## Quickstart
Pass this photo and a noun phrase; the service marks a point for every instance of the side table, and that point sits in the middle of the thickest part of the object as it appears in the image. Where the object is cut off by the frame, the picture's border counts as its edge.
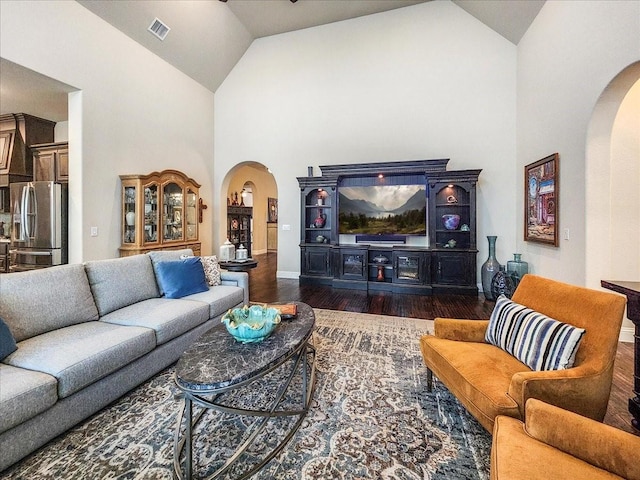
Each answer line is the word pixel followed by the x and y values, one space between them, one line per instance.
pixel 632 291
pixel 239 265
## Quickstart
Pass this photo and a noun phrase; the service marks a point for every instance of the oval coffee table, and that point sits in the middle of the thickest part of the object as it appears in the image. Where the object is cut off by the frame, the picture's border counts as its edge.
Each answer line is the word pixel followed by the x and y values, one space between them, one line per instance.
pixel 215 369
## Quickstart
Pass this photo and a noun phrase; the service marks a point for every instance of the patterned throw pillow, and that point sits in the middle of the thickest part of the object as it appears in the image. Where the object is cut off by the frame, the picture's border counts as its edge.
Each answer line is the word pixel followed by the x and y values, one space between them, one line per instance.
pixel 211 270
pixel 538 341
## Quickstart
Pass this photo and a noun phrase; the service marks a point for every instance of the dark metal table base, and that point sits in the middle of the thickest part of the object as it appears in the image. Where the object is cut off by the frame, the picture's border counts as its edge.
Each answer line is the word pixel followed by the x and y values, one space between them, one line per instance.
pixel 302 362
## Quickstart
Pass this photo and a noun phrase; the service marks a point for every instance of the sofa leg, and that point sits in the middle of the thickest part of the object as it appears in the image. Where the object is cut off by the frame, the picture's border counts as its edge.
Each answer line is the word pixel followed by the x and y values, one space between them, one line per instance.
pixel 429 380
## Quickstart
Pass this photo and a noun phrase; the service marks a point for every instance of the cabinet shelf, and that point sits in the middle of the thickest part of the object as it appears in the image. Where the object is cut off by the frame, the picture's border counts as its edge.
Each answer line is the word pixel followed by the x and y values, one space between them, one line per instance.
pixel 239 226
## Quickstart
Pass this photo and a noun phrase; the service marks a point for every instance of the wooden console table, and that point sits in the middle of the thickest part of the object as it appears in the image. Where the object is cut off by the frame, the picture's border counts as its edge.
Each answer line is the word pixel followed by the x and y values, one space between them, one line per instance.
pixel 632 291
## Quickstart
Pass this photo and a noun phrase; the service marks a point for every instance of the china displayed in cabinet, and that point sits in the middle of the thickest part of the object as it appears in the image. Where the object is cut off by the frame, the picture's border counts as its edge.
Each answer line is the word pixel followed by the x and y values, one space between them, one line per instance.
pixel 239 227
pixel 159 212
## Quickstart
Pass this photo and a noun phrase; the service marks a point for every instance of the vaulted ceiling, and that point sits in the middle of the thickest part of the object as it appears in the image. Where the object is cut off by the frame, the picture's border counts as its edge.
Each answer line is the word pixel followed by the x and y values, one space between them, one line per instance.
pixel 208 37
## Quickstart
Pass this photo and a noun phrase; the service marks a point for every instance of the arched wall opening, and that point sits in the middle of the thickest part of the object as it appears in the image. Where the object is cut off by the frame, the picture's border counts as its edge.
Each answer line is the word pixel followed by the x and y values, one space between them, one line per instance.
pixel 263 186
pixel 612 188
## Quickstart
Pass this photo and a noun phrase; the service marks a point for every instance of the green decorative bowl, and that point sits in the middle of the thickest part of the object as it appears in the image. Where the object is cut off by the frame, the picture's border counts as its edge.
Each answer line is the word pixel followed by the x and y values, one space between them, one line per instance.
pixel 251 324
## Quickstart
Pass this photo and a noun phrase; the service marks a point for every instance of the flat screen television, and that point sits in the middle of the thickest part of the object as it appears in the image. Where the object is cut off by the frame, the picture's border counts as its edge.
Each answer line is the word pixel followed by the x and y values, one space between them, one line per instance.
pixel 383 210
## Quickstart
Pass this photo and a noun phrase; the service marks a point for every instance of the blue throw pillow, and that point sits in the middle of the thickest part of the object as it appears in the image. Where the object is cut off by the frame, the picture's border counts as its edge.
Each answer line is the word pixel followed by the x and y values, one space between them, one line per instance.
pixel 179 278
pixel 7 342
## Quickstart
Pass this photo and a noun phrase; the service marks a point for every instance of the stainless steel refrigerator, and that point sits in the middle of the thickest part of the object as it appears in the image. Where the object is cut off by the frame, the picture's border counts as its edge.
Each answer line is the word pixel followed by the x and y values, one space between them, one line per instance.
pixel 39 233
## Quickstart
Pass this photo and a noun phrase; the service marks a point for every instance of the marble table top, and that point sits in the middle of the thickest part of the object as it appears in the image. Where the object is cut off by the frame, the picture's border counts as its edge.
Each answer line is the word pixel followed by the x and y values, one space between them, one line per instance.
pixel 216 361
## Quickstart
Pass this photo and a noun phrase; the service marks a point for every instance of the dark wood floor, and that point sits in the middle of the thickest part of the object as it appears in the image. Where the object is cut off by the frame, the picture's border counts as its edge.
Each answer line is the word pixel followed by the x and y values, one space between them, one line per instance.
pixel 265 287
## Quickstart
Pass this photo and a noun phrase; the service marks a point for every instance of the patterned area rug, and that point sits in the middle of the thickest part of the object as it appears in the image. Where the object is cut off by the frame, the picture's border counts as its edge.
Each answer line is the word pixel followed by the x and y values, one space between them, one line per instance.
pixel 371 418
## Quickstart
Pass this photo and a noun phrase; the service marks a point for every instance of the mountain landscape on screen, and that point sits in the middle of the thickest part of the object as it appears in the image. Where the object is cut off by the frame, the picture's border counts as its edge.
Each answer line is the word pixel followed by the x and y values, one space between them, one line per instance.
pixel 383 210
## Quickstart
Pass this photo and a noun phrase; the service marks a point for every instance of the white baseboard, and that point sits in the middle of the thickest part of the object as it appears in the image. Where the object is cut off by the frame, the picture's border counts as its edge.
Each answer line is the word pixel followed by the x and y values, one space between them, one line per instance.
pixel 285 274
pixel 626 334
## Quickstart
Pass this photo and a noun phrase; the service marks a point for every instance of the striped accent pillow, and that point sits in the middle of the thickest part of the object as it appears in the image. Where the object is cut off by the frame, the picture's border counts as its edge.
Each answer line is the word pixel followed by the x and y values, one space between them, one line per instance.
pixel 538 341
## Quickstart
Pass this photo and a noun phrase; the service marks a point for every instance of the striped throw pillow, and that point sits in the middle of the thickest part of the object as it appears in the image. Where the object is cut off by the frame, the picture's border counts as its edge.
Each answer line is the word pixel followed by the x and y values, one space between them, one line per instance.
pixel 538 341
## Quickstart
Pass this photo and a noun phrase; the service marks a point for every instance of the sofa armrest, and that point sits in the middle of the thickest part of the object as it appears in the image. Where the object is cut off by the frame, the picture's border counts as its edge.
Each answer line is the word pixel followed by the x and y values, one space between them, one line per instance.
pixel 600 445
pixel 236 279
pixel 461 330
pixel 580 389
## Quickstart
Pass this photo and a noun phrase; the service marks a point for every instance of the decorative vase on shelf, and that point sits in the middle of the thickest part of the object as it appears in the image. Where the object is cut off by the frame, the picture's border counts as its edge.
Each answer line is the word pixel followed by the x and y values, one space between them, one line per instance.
pixel 517 266
pixel 451 221
pixel 130 218
pixel 320 220
pixel 490 268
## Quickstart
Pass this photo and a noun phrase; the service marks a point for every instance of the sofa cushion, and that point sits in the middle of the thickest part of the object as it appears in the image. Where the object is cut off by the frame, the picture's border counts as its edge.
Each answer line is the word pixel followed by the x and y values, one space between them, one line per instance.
pixel 211 270
pixel 484 395
pixel 82 354
pixel 168 318
pixel 119 282
pixel 168 255
pixel 24 394
pixel 7 342
pixel 38 301
pixel 219 298
pixel 178 278
pixel 540 342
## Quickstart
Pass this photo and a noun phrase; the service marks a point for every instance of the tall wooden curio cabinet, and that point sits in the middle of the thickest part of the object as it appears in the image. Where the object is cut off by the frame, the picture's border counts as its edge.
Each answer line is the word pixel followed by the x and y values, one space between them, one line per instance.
pixel 452 231
pixel 318 229
pixel 159 212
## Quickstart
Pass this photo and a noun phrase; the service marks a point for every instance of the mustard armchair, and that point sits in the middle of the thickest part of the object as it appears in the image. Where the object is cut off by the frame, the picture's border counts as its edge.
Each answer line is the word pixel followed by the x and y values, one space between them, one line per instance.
pixel 554 443
pixel 489 382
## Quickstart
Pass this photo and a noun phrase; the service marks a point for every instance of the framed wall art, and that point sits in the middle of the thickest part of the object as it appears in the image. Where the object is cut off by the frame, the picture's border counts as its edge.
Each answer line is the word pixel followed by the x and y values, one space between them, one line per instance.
pixel 541 196
pixel 272 206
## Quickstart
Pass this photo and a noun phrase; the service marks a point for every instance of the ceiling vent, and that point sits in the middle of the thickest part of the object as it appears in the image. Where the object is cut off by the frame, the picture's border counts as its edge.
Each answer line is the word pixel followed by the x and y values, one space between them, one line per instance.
pixel 159 29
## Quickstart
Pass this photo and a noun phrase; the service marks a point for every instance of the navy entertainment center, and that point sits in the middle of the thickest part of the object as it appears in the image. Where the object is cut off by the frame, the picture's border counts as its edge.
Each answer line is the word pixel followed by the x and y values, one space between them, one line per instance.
pixel 367 246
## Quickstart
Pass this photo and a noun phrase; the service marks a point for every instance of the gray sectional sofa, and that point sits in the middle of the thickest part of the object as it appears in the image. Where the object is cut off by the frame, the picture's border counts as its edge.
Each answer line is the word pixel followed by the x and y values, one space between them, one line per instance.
pixel 88 333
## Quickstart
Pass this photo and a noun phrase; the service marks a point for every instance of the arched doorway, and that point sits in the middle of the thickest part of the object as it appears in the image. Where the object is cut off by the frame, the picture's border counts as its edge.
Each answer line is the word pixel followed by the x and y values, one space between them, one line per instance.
pixel 613 185
pixel 259 186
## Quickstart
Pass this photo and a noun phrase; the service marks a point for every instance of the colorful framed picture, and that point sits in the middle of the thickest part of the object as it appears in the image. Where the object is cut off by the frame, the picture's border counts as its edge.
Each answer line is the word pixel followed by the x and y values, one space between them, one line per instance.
pixel 541 196
pixel 272 206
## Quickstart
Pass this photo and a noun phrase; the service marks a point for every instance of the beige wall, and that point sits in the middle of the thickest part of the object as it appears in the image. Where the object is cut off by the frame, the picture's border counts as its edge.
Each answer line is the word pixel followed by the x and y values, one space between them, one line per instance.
pixel 566 60
pixel 570 89
pixel 426 81
pixel 132 113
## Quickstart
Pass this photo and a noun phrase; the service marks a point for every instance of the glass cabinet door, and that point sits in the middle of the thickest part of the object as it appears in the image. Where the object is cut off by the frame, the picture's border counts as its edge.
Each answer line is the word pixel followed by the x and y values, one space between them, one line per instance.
pixel 191 220
pixel 151 213
pixel 173 213
pixel 408 267
pixel 129 215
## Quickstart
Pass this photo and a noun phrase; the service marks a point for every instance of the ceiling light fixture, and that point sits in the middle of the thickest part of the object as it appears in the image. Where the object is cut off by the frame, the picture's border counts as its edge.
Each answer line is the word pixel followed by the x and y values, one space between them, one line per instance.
pixel 159 29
